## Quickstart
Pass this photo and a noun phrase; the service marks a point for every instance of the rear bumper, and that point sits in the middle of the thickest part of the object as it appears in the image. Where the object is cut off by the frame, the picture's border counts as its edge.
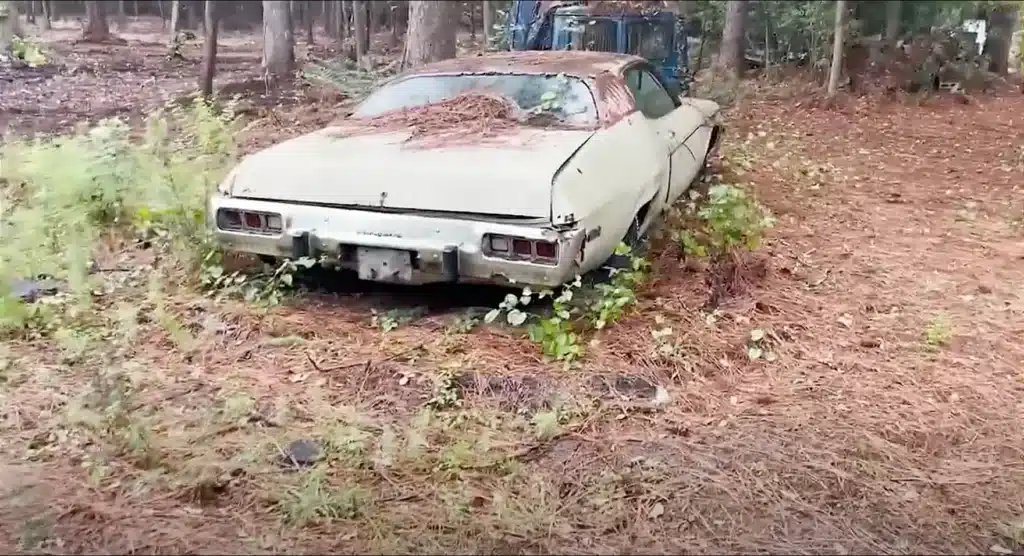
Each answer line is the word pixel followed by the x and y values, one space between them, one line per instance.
pixel 443 249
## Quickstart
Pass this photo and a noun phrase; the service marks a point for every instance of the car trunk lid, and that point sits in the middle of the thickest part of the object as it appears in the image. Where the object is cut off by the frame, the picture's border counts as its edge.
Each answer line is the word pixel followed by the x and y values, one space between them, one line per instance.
pixel 509 175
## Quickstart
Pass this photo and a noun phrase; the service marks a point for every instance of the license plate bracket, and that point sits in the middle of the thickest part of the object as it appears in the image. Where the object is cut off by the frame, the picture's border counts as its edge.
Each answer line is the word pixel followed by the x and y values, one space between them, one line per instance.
pixel 384 265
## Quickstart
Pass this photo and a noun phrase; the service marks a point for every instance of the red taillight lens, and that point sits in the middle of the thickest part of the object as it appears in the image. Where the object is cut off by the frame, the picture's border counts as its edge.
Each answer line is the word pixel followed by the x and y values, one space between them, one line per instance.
pixel 546 249
pixel 522 247
pixel 253 220
pixel 228 219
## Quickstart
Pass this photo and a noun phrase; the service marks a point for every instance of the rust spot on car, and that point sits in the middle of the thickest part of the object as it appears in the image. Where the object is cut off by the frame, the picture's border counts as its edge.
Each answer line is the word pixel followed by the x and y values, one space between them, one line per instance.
pixel 614 100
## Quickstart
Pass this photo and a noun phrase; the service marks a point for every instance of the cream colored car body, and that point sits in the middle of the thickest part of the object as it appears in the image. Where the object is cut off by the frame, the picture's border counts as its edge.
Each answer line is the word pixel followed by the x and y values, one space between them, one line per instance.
pixel 368 199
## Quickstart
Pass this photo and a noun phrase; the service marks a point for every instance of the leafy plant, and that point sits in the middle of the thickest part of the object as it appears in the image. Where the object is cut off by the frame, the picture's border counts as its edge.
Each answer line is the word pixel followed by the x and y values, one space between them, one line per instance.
pixel 728 220
pixel 757 346
pixel 267 289
pixel 561 333
pixel 28 51
pixel 938 333
pixel 620 292
pixel 446 390
pixel 555 334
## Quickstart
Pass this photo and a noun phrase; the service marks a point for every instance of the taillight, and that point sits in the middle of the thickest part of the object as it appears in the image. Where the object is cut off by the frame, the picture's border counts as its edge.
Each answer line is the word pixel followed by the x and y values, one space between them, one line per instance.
pixel 546 249
pixel 522 247
pixel 253 220
pixel 248 221
pixel 518 249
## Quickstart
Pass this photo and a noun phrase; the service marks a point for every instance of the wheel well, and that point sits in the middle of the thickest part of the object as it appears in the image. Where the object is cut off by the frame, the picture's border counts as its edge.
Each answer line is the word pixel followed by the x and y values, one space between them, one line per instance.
pixel 641 215
pixel 716 133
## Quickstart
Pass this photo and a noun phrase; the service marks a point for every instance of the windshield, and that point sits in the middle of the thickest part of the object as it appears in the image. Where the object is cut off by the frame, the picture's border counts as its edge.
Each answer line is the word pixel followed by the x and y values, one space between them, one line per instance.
pixel 649 39
pixel 566 98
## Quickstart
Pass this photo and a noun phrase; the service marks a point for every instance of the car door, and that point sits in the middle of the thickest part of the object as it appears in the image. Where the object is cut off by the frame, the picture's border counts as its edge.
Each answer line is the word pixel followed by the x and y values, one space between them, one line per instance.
pixel 672 124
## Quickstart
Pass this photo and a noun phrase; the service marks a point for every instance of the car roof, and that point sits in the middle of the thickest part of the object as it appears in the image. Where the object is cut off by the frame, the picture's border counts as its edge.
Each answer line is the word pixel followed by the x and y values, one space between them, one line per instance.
pixel 581 64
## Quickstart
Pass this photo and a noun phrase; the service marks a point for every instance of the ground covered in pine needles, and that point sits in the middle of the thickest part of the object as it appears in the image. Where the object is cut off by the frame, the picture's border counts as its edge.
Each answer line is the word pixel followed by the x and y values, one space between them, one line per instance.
pixel 887 419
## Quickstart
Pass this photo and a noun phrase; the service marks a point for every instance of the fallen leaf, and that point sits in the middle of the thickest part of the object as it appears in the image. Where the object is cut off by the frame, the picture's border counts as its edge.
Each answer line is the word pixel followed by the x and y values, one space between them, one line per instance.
pixel 657 511
pixel 661 396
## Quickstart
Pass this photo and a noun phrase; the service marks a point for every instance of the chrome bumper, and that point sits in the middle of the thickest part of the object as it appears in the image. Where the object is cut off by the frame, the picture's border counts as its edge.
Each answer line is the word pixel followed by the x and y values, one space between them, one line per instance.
pixel 443 249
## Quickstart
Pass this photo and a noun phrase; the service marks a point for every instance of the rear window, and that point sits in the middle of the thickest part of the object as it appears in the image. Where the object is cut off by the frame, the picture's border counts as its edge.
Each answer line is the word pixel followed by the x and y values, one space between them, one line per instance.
pixel 566 98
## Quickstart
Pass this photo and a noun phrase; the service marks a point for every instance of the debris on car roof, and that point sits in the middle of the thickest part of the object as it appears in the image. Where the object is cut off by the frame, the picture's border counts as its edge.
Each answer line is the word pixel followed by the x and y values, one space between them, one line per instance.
pixel 473 114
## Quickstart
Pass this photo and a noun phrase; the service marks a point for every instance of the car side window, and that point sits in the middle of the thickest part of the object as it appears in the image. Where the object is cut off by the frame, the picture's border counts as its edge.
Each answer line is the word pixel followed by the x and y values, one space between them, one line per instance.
pixel 652 99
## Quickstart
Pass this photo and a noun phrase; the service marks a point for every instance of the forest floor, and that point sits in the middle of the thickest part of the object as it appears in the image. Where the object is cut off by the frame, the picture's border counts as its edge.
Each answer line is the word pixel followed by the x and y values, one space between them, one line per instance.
pixel 889 420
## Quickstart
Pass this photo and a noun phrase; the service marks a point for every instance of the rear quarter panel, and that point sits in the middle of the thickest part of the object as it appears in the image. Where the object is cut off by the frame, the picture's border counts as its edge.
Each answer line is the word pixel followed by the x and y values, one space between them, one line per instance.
pixel 616 172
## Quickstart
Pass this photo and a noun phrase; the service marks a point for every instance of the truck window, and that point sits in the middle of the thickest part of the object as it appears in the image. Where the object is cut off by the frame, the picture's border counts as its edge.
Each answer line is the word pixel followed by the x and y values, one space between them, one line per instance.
pixel 574 32
pixel 649 39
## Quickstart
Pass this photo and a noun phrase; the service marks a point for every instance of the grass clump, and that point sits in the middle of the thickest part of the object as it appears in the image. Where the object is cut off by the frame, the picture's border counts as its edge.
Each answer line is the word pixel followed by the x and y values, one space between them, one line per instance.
pixel 60 197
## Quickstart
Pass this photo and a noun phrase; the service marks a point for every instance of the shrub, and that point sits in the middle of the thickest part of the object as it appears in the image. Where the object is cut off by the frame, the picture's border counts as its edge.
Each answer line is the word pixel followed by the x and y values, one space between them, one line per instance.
pixel 60 196
pixel 728 220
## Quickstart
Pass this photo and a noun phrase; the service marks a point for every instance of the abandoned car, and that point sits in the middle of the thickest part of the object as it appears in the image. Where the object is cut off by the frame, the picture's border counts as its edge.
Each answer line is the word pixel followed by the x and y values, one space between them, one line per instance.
pixel 523 167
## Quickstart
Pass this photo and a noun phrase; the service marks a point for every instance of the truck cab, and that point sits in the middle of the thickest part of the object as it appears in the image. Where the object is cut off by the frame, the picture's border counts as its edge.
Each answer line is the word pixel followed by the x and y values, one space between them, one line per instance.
pixel 650 34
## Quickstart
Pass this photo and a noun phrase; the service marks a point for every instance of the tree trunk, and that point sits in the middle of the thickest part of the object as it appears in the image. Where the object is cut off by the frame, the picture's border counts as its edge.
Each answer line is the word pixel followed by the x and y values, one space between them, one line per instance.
pixel 373 16
pixel 472 20
pixel 278 42
pixel 96 29
pixel 46 15
pixel 122 16
pixel 30 15
pixel 175 18
pixel 344 7
pixel 342 20
pixel 431 35
pixel 359 28
pixel 731 57
pixel 209 49
pixel 8 24
pixel 368 15
pixel 893 15
pixel 330 25
pixel 188 15
pixel 488 22
pixel 1001 21
pixel 307 11
pixel 837 50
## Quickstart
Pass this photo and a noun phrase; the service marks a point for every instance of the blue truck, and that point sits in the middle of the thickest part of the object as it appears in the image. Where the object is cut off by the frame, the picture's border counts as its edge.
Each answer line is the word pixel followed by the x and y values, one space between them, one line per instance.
pixel 603 26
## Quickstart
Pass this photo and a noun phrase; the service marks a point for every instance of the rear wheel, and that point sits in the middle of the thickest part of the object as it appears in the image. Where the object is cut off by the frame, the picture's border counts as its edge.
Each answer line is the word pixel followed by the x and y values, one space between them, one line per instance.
pixel 637 244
